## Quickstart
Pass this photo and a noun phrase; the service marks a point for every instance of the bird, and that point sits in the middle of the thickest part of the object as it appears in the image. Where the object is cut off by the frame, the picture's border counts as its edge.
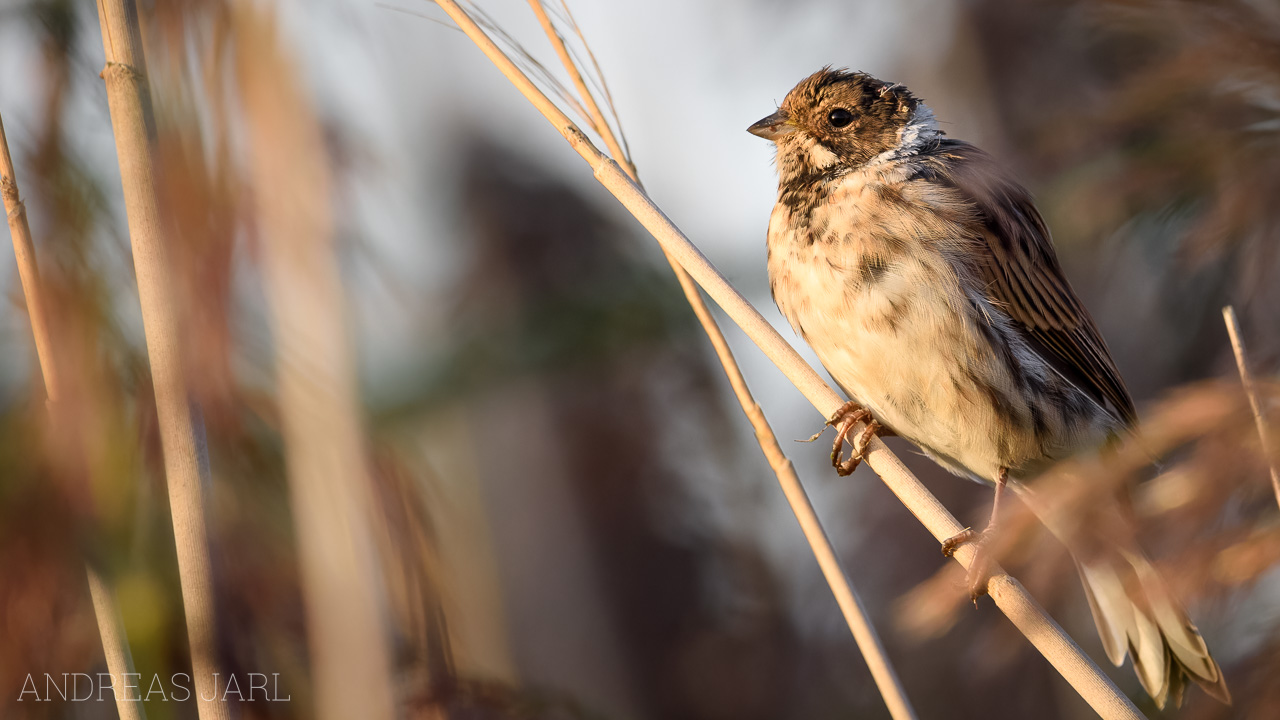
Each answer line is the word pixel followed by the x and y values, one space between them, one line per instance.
pixel 926 282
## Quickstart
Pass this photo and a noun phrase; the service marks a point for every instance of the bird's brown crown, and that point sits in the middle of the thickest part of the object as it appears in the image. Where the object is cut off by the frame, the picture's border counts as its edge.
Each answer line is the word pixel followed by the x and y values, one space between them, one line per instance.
pixel 852 114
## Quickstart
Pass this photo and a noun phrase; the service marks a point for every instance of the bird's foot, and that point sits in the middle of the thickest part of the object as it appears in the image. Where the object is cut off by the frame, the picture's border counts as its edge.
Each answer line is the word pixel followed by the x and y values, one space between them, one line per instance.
pixel 979 572
pixel 843 420
pixel 979 575
pixel 953 543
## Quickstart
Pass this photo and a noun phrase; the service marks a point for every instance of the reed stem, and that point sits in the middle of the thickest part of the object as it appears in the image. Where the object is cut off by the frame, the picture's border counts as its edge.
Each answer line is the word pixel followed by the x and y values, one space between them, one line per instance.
pixel 115 643
pixel 182 439
pixel 1246 379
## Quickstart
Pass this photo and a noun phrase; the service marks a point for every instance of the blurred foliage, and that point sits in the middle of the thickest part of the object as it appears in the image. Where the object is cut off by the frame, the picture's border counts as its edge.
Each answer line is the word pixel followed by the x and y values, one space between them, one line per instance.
pixel 1155 122
pixel 1149 129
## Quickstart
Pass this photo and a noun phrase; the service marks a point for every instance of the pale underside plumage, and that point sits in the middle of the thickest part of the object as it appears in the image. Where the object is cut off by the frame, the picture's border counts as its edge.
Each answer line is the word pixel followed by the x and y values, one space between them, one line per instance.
pixel 926 283
pixel 884 294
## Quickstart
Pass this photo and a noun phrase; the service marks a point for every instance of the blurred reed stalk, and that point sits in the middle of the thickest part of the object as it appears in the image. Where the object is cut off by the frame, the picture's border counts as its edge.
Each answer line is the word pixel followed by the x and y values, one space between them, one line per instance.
pixel 115 643
pixel 182 438
pixel 329 481
pixel 855 614
pixel 1009 595
pixel 24 251
pixel 1255 403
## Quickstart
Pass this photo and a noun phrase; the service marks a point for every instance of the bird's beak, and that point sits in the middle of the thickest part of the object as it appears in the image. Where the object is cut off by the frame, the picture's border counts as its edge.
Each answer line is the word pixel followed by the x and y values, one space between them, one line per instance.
pixel 773 127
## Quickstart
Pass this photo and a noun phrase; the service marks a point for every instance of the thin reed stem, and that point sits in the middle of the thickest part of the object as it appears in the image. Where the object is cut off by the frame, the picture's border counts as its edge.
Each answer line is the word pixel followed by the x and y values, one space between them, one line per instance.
pixel 182 441
pixel 837 576
pixel 24 251
pixel 115 643
pixel 1246 379
pixel 1009 595
pixel 598 121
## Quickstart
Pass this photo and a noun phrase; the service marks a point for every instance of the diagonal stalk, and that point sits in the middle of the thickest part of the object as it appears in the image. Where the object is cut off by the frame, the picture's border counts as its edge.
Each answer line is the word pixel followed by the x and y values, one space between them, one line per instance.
pixel 115 644
pixel 24 252
pixel 1255 403
pixel 837 576
pixel 1009 595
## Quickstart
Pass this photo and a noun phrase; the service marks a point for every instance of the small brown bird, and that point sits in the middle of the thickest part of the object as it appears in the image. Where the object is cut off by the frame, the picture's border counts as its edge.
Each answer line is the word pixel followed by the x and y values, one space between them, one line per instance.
pixel 925 280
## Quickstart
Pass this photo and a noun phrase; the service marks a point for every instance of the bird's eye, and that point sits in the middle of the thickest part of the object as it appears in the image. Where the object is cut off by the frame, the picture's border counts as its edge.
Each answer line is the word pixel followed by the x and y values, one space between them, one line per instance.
pixel 840 117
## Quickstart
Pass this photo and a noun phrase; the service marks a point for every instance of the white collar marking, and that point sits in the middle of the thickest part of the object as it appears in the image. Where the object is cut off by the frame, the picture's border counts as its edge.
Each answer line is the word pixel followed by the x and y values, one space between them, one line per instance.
pixel 919 130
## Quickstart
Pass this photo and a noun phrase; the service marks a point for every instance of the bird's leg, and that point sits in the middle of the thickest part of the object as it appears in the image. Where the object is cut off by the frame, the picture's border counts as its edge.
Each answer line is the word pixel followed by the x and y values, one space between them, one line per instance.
pixel 978 569
pixel 844 419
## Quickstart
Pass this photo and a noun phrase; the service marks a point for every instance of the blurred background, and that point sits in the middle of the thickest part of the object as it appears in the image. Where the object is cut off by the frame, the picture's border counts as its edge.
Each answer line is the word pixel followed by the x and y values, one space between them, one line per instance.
pixel 572 516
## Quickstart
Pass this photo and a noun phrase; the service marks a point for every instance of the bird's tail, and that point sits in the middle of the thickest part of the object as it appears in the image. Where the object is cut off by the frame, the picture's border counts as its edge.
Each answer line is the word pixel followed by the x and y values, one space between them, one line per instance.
pixel 1136 615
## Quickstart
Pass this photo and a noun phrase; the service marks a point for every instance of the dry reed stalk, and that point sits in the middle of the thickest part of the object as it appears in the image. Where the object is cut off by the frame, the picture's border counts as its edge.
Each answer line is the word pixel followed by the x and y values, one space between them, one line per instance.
pixel 329 482
pixel 1009 595
pixel 186 462
pixel 1246 379
pixel 598 121
pixel 833 570
pixel 115 644
pixel 24 251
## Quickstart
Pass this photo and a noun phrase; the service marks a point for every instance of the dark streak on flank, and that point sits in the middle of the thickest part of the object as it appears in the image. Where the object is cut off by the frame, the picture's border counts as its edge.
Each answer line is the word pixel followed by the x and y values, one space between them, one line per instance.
pixel 1038 422
pixel 915 407
pixel 890 194
pixel 961 389
pixel 816 230
pixel 998 398
pixel 874 268
pixel 888 238
pixel 893 318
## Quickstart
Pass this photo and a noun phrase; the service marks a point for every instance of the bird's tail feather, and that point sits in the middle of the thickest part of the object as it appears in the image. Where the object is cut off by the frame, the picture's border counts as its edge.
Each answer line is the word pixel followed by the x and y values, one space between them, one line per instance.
pixel 1136 615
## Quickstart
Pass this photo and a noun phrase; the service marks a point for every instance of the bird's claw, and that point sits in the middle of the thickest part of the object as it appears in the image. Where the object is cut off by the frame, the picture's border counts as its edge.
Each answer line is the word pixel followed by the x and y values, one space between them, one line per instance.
pixel 953 543
pixel 979 573
pixel 844 420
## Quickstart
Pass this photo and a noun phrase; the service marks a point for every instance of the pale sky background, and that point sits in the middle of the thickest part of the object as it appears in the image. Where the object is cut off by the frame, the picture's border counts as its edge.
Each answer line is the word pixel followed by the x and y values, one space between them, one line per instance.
pixel 688 77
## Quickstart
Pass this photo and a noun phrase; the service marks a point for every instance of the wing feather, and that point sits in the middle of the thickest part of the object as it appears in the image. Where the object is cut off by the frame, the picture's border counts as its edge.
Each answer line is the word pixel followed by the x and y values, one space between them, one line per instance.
pixel 1019 269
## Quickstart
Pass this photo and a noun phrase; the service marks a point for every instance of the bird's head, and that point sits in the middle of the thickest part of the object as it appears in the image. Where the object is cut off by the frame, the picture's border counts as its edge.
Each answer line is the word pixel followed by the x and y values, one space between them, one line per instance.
pixel 841 118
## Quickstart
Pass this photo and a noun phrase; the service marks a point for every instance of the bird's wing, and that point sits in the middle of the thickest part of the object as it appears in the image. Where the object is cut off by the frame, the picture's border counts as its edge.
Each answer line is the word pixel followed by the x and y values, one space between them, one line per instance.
pixel 1019 268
